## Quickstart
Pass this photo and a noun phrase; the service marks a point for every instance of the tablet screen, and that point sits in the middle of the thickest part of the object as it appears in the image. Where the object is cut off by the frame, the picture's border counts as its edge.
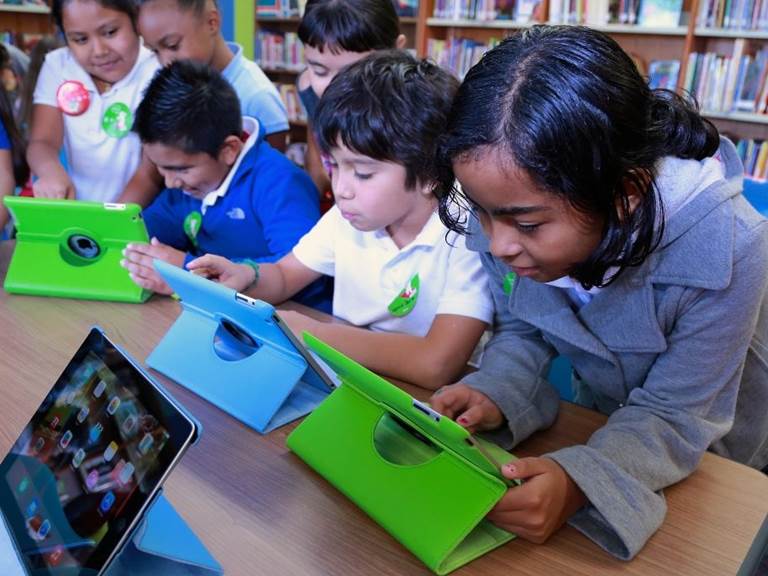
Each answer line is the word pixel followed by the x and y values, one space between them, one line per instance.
pixel 94 453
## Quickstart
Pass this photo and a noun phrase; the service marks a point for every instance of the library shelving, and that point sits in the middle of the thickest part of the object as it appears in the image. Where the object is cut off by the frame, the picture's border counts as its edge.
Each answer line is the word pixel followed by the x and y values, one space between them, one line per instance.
pixel 21 21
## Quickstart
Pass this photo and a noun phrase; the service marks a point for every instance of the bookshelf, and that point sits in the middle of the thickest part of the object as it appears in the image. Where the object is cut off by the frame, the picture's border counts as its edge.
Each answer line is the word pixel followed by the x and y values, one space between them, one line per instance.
pixel 279 53
pixel 20 19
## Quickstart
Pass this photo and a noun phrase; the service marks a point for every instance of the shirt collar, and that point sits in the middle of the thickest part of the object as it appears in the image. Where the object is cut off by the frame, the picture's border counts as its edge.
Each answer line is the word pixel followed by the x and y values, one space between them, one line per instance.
pixel 234 64
pixel 251 127
pixel 431 233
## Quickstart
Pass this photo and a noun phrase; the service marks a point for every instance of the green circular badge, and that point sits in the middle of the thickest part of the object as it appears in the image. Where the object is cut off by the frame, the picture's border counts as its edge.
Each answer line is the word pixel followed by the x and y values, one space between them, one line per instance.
pixel 117 120
pixel 406 300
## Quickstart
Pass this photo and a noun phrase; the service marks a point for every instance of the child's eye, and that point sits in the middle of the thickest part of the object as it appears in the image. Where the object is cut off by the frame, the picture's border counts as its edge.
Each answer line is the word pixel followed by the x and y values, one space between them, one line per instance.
pixel 360 176
pixel 79 40
pixel 528 228
pixel 110 32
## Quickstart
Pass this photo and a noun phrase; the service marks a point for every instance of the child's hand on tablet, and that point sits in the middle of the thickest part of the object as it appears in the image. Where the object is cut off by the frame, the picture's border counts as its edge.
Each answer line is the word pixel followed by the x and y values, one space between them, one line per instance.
pixel 138 262
pixel 470 408
pixel 541 504
pixel 218 268
pixel 59 186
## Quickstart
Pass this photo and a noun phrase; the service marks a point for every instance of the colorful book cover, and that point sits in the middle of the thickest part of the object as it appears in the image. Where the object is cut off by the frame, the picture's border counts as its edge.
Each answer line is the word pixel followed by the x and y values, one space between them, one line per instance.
pixel 663 74
pixel 660 12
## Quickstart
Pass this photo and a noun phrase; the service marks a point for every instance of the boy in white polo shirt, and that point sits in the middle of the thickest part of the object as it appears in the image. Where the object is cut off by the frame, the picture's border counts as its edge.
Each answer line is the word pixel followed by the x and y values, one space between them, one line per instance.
pixel 398 271
pixel 85 98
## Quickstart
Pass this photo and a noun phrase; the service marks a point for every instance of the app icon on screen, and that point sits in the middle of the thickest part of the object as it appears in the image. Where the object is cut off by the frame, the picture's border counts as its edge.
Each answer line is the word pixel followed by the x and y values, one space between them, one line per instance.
pixel 110 452
pixel 92 479
pixel 99 390
pixel 66 439
pixel 32 507
pixel 113 404
pixel 78 458
pixel 83 414
pixel 146 443
pixel 95 432
pixel 107 502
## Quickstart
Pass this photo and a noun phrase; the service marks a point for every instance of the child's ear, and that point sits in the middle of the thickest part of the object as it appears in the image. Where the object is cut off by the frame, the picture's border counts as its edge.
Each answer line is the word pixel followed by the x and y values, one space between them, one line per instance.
pixel 400 42
pixel 230 150
pixel 212 18
pixel 636 186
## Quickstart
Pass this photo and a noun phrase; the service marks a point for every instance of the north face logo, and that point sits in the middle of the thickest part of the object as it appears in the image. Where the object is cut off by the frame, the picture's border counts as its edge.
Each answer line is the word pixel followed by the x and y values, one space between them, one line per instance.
pixel 236 214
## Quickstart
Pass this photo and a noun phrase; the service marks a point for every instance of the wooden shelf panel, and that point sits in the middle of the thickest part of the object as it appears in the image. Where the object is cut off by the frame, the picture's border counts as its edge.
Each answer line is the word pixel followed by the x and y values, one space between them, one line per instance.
pixel 726 33
pixel 495 24
pixel 25 8
pixel 737 116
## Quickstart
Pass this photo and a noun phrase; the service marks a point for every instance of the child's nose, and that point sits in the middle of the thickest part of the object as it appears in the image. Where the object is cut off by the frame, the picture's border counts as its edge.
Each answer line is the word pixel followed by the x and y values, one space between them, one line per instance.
pixel 100 46
pixel 504 241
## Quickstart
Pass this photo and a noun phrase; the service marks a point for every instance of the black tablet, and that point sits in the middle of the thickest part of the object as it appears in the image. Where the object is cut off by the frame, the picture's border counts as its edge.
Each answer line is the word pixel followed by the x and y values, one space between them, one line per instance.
pixel 86 467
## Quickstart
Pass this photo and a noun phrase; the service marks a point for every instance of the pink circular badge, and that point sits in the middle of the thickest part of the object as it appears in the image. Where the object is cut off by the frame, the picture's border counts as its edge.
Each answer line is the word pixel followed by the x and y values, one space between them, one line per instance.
pixel 73 98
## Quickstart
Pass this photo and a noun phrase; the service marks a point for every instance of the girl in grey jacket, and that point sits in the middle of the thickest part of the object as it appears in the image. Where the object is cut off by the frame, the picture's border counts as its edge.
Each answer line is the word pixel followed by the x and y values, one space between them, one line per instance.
pixel 614 232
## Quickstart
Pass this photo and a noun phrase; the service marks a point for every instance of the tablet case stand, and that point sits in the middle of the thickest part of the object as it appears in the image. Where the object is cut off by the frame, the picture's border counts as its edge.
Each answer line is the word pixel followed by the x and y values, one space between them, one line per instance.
pixel 423 493
pixel 228 349
pixel 78 260
pixel 163 544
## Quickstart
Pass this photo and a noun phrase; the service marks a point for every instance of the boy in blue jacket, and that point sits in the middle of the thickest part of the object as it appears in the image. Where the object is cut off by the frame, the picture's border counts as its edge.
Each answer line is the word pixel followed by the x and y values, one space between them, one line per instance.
pixel 228 192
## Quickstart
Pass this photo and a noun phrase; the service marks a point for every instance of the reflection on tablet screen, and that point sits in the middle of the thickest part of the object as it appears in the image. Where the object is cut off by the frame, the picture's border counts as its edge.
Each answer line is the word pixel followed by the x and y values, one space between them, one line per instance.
pixel 83 467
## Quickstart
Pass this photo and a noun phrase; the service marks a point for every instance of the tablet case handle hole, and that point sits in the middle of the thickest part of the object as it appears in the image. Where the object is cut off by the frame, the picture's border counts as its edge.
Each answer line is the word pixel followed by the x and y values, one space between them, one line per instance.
pixel 80 250
pixel 232 343
pixel 401 444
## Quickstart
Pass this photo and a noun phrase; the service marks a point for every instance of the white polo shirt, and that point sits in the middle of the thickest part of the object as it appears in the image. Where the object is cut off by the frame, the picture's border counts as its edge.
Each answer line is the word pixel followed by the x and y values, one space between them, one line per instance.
pixel 99 165
pixel 371 271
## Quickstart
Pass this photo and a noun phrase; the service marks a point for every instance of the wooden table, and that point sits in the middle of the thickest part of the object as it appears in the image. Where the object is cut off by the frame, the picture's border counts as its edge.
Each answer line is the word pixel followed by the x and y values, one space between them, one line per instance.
pixel 261 510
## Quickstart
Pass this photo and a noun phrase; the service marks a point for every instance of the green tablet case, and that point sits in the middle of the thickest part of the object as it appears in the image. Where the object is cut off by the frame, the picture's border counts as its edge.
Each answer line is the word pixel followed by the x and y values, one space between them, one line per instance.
pixel 73 249
pixel 420 475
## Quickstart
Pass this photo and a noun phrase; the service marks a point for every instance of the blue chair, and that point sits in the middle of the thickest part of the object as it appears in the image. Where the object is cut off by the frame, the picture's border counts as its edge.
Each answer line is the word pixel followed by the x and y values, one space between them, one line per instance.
pixel 756 192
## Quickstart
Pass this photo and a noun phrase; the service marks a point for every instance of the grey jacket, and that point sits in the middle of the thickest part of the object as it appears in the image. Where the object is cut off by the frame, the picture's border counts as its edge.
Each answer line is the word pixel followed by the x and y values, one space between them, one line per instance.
pixel 675 351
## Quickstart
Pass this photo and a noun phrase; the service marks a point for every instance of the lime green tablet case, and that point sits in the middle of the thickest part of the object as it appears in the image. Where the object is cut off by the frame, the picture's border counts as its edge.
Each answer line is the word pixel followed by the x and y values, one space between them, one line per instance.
pixel 413 471
pixel 73 249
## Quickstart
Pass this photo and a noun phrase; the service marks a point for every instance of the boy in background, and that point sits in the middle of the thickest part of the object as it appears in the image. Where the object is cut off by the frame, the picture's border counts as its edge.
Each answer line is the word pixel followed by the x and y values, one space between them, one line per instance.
pixel 226 193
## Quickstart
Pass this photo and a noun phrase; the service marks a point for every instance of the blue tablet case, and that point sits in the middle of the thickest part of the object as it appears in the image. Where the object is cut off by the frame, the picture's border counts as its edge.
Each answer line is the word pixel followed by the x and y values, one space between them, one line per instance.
pixel 163 544
pixel 228 349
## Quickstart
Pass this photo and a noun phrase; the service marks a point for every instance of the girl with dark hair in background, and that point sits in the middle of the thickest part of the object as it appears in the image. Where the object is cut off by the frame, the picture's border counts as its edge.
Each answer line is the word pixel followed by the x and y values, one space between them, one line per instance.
pixel 612 226
pixel 13 167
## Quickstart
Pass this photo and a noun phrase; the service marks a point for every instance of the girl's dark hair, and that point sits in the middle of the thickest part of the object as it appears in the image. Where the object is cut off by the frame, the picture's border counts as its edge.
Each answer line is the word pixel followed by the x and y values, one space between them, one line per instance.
pixel 36 59
pixel 350 25
pixel 388 106
pixel 20 167
pixel 568 106
pixel 189 106
pixel 129 7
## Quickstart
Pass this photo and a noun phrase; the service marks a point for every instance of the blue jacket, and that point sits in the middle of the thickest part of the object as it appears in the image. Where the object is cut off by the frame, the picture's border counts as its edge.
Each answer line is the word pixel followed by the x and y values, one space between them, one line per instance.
pixel 674 350
pixel 269 206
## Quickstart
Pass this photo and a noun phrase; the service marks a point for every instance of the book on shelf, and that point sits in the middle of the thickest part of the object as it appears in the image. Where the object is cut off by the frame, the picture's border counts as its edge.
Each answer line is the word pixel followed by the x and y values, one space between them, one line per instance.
pixel 406 8
pixel 729 83
pixel 734 14
pixel 663 74
pixel 754 156
pixel 660 13
pixel 279 8
pixel 458 55
pixel 279 50
pixel 520 11
pixel 289 93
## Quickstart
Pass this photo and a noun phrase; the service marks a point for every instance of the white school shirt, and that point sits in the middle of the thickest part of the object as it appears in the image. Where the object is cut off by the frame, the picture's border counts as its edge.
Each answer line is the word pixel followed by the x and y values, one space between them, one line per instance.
pixel 99 165
pixel 370 271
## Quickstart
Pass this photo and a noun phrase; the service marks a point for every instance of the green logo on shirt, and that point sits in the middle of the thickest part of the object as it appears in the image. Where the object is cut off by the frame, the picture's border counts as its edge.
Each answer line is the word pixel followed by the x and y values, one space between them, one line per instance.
pixel 192 224
pixel 406 300
pixel 509 282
